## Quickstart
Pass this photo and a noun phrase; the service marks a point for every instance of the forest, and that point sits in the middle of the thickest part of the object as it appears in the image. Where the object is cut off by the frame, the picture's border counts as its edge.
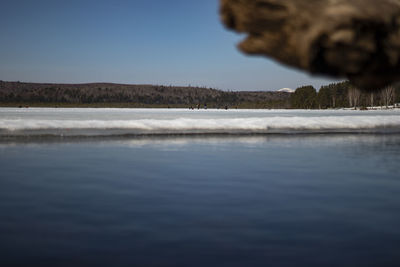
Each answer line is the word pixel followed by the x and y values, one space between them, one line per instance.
pixel 121 95
pixel 343 95
pixel 332 96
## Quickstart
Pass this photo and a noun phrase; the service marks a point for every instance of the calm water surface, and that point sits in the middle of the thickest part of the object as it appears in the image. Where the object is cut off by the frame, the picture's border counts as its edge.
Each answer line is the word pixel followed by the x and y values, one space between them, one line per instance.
pixel 284 200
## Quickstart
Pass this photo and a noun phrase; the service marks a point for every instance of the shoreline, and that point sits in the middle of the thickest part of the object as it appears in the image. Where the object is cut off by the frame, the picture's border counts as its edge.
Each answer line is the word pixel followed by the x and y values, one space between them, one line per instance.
pixel 174 106
pixel 128 105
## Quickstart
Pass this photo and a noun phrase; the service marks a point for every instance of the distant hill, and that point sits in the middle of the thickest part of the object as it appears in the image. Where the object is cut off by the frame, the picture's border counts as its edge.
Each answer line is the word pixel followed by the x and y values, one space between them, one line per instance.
pixel 110 94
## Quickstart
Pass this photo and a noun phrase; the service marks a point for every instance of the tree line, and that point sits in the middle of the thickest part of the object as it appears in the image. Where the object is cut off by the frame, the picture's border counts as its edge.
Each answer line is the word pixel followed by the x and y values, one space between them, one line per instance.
pixel 335 95
pixel 343 95
pixel 105 94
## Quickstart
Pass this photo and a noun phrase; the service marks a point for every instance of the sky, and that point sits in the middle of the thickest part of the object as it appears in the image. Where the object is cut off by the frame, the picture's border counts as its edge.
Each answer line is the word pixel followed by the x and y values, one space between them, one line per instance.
pixel 168 42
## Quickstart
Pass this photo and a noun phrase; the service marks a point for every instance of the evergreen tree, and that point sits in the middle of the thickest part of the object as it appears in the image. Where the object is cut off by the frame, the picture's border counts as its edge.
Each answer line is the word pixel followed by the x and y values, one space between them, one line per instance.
pixel 304 98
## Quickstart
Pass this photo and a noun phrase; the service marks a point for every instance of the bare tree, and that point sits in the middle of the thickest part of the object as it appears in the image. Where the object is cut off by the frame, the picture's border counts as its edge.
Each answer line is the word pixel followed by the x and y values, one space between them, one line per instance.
pixel 371 99
pixel 334 91
pixel 354 95
pixel 387 95
pixel 350 97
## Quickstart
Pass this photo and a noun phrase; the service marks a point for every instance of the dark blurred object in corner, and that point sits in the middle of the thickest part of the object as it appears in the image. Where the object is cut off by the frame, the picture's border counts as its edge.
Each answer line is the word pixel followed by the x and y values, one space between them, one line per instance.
pixel 358 39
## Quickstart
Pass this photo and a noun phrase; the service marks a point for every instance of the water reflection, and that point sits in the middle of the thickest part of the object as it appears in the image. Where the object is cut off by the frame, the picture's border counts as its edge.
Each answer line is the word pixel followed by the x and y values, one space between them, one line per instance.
pixel 388 142
pixel 279 200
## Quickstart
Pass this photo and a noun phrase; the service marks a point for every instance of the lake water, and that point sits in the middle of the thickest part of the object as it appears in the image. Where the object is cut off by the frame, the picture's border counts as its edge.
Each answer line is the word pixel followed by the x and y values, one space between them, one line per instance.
pixel 87 187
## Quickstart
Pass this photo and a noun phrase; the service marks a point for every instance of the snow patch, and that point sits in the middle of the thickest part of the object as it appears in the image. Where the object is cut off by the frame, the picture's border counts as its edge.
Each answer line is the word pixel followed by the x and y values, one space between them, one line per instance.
pixel 286 90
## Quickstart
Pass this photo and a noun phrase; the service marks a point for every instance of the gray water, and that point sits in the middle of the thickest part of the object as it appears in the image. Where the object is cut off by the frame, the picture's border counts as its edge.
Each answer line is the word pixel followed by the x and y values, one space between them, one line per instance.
pixel 269 200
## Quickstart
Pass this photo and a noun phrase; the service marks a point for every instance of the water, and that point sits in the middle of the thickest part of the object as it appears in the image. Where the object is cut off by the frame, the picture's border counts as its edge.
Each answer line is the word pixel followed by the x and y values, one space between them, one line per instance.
pixel 329 199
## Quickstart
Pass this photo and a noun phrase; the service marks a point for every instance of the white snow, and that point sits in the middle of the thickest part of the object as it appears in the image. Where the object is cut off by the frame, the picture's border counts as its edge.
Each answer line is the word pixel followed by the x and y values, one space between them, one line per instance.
pixel 287 90
pixel 152 121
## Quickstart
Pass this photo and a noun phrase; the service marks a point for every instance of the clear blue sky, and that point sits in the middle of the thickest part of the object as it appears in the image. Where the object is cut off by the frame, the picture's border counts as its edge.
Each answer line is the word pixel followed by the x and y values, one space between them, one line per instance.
pixel 178 42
